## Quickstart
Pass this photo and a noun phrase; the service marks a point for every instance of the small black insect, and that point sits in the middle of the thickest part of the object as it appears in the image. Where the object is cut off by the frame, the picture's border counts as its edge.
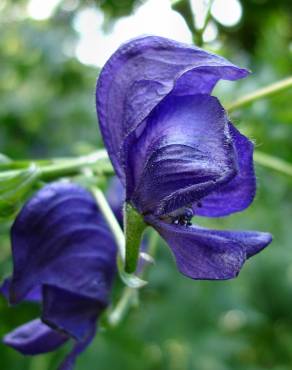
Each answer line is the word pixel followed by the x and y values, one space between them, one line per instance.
pixel 181 216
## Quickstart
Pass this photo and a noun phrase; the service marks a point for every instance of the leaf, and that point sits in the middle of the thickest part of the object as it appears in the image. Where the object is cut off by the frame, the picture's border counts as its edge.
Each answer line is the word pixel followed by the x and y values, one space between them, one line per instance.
pixel 14 187
pixel 134 227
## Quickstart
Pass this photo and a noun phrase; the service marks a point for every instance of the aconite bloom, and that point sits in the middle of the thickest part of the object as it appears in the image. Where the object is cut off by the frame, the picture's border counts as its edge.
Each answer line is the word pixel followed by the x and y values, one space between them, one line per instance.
pixel 175 151
pixel 64 257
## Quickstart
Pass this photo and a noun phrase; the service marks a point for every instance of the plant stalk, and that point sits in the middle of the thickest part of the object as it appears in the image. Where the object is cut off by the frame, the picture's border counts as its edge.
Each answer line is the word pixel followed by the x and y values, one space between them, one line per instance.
pixel 50 170
pixel 260 93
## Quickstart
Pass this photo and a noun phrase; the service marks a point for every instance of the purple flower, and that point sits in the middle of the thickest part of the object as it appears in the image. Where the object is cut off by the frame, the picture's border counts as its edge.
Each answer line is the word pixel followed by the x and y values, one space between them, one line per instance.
pixel 64 257
pixel 175 151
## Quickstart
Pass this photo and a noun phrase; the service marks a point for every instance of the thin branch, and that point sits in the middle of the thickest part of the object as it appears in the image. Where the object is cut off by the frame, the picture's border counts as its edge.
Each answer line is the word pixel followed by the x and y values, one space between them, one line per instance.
pixel 111 221
pixel 272 162
pixel 260 93
pixel 49 170
pixel 130 295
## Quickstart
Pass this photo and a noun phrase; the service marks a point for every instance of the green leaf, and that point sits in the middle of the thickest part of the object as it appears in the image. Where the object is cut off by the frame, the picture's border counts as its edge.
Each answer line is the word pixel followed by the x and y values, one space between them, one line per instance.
pixel 134 227
pixel 14 187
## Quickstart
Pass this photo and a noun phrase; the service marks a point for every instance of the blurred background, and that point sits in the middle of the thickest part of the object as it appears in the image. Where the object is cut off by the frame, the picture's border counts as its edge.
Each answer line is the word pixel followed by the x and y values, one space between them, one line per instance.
pixel 51 52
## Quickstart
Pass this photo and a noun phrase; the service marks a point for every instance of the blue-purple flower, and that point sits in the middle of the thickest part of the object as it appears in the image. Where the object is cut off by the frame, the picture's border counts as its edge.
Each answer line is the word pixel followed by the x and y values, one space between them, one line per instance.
pixel 176 152
pixel 64 257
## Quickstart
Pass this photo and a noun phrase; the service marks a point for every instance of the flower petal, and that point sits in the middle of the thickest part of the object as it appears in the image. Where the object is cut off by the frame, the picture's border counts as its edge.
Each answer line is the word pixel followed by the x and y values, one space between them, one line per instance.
pixel 34 338
pixel 202 254
pixel 80 346
pixel 237 194
pixel 184 153
pixel 140 74
pixel 71 313
pixel 35 295
pixel 60 239
pixel 116 197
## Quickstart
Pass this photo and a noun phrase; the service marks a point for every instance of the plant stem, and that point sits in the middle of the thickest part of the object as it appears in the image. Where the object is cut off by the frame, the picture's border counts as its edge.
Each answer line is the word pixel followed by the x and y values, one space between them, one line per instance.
pixel 130 280
pixel 274 163
pixel 65 167
pixel 184 8
pixel 260 93
pixel 130 295
pixel 200 31
pixel 111 221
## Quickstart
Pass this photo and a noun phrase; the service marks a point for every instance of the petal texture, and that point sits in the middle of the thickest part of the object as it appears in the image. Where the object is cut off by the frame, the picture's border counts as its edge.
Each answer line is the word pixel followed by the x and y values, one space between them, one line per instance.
pixel 184 153
pixel 116 197
pixel 72 313
pixel 35 295
pixel 57 237
pixel 202 254
pixel 34 338
pixel 65 257
pixel 237 194
pixel 79 347
pixel 140 74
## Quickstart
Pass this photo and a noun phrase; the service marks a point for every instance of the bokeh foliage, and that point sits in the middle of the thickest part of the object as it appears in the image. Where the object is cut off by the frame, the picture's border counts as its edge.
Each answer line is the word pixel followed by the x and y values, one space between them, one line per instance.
pixel 47 109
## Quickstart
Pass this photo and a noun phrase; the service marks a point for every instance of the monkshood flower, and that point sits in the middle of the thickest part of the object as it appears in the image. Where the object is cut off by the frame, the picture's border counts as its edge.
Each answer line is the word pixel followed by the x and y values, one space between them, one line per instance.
pixel 64 257
pixel 175 151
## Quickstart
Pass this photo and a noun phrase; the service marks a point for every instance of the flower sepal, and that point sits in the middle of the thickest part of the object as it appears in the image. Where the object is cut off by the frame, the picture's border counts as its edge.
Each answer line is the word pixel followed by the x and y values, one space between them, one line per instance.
pixel 130 280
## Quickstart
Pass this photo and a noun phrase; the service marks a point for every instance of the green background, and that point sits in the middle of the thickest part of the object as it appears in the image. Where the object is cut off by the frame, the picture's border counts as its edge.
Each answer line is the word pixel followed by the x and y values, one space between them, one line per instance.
pixel 47 109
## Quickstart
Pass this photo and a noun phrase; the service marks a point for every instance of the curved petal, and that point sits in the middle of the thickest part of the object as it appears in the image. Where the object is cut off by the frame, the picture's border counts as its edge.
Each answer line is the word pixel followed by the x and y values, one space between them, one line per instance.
pixel 60 239
pixel 71 313
pixel 116 197
pixel 35 295
pixel 79 346
pixel 4 288
pixel 140 74
pixel 202 254
pixel 184 153
pixel 238 193
pixel 34 338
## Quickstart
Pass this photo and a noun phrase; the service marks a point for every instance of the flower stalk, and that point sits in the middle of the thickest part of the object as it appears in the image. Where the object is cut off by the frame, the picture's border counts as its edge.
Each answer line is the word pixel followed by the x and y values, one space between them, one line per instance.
pixel 130 280
pixel 272 162
pixel 261 93
pixel 111 221
pixel 130 296
pixel 50 170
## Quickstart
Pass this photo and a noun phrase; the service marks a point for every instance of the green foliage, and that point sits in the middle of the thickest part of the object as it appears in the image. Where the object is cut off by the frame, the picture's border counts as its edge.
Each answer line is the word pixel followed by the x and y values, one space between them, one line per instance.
pixel 47 109
pixel 117 8
pixel 14 187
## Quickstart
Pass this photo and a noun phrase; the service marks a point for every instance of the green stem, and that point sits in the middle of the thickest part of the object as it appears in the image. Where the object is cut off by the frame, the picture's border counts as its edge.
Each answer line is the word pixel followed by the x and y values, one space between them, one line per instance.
pixel 130 295
pixel 184 8
pixel 128 298
pixel 260 93
pixel 67 167
pixel 134 227
pixel 130 280
pixel 274 163
pixel 15 165
pixel 111 221
pixel 200 32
